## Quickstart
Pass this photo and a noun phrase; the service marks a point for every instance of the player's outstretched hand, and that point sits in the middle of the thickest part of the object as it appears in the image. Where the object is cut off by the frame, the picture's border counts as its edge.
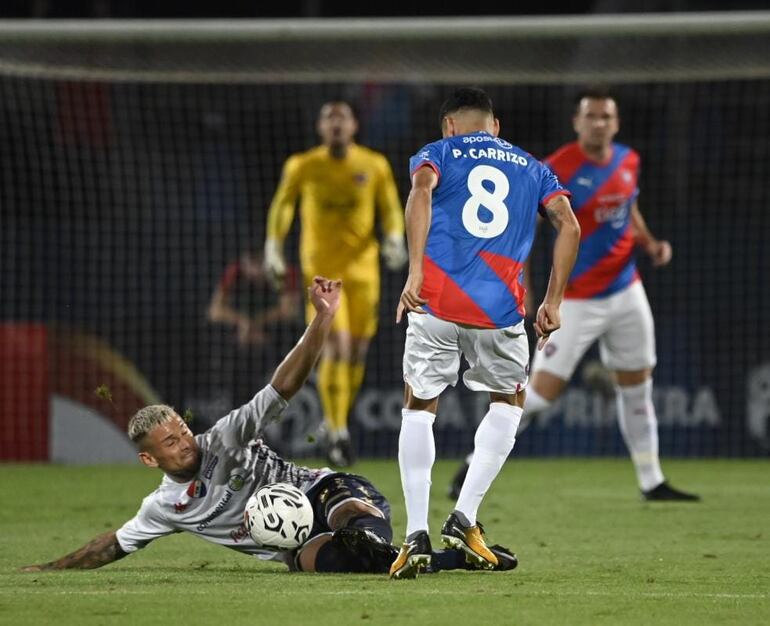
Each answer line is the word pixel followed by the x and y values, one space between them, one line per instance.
pixel 410 300
pixel 660 252
pixel 325 295
pixel 548 320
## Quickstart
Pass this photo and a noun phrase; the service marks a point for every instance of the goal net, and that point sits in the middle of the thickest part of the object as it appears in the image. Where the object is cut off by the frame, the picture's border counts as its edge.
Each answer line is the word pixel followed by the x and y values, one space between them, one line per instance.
pixel 138 160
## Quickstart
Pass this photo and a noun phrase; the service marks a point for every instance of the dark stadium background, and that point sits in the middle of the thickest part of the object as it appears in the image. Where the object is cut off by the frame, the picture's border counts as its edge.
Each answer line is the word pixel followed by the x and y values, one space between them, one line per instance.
pixel 319 8
pixel 141 282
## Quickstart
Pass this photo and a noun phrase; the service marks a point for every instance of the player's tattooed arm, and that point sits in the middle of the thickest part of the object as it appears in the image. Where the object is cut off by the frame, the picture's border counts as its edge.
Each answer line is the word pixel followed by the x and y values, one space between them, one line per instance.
pixel 101 550
pixel 559 211
pixel 565 249
pixel 418 216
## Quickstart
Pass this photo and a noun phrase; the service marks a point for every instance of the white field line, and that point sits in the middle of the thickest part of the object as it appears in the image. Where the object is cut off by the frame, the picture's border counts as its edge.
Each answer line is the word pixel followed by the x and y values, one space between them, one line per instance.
pixel 427 592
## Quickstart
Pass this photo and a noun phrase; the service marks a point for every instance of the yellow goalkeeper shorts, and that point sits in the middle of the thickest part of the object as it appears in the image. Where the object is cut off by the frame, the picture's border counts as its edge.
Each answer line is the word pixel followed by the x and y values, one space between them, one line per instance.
pixel 359 307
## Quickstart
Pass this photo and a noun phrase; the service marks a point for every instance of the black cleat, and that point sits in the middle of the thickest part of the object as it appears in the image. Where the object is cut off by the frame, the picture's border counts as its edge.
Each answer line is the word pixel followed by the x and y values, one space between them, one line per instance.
pixel 457 481
pixel 340 453
pixel 371 552
pixel 414 557
pixel 666 493
pixel 506 560
pixel 469 539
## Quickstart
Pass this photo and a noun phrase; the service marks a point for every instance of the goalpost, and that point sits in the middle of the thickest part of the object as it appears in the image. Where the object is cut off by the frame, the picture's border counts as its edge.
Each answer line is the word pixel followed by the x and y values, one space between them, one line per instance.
pixel 138 159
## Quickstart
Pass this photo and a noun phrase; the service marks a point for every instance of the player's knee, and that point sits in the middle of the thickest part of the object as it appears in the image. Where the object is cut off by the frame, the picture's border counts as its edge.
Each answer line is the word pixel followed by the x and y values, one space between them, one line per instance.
pixel 631 378
pixel 308 553
pixel 544 386
pixel 535 403
pixel 331 558
pixel 512 399
pixel 350 510
pixel 413 403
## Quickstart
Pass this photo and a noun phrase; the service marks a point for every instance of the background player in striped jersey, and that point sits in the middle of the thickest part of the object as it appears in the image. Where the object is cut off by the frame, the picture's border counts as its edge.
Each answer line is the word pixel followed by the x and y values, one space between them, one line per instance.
pixel 209 478
pixel 471 217
pixel 342 188
pixel 605 300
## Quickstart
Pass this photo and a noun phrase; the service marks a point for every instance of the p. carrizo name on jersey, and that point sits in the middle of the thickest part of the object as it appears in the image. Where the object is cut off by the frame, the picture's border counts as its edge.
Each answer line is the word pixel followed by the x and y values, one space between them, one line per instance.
pixel 490 153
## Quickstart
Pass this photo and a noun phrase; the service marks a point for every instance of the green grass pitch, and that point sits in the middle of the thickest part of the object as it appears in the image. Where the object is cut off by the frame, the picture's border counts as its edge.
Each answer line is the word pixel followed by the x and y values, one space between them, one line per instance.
pixel 590 552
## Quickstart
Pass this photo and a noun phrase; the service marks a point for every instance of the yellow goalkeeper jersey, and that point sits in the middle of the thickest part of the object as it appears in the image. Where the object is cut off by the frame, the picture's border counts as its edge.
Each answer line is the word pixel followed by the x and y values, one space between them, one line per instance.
pixel 340 200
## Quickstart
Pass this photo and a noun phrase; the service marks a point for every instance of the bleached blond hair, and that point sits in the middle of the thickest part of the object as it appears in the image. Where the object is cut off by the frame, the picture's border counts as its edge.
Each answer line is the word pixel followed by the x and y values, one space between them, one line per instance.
pixel 144 420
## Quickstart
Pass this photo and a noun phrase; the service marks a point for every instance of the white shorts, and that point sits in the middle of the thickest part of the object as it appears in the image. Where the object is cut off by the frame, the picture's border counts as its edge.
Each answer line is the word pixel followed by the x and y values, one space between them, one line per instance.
pixel 621 322
pixel 498 357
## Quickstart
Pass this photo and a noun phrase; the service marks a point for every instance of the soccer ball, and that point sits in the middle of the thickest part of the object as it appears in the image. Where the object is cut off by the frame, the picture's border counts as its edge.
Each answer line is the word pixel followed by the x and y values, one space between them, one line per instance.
pixel 279 516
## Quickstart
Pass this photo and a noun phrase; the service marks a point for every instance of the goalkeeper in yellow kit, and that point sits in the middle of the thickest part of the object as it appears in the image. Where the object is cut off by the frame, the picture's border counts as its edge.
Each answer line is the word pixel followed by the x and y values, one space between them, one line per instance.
pixel 342 187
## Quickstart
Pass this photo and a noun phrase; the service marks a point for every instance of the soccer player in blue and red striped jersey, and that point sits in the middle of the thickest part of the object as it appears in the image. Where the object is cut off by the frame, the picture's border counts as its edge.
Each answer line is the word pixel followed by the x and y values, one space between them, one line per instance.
pixel 470 221
pixel 605 300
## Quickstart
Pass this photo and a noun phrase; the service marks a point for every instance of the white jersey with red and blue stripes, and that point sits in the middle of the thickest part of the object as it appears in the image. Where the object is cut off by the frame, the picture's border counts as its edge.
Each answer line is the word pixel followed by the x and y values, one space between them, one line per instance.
pixel 602 197
pixel 483 222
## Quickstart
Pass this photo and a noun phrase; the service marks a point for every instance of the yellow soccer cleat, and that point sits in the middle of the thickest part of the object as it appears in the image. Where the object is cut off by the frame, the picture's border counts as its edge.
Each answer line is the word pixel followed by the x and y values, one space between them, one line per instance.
pixel 469 539
pixel 413 558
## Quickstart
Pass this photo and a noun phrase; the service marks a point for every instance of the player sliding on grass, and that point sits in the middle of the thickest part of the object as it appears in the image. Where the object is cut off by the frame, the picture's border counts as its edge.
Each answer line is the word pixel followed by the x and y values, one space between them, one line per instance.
pixel 209 478
pixel 605 299
pixel 470 222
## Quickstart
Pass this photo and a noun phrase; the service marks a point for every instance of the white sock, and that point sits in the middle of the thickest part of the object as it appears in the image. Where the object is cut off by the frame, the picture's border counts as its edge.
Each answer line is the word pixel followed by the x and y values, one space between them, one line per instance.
pixel 494 441
pixel 639 426
pixel 416 453
pixel 533 404
pixel 339 434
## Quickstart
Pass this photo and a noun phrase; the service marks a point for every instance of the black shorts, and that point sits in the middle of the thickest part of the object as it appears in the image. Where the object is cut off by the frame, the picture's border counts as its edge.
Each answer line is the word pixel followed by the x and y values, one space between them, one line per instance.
pixel 334 489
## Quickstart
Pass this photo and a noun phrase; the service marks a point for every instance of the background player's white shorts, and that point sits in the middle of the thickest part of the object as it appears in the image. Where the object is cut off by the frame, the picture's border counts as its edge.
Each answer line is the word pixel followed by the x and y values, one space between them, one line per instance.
pixel 498 357
pixel 621 322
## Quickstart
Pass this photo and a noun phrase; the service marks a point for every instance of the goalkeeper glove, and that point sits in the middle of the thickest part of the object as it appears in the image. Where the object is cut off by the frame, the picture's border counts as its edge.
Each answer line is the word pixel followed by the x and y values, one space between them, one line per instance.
pixel 394 252
pixel 275 266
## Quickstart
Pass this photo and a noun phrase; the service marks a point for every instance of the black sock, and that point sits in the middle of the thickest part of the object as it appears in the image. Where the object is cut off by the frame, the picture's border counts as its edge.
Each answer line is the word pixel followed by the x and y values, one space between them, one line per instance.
pixel 378 525
pixel 447 559
pixel 334 558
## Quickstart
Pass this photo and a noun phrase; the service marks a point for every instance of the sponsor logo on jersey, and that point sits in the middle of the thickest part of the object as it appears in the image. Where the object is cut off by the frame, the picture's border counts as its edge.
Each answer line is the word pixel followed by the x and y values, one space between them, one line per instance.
pixel 240 533
pixel 236 481
pixel 181 507
pixel 220 507
pixel 197 489
pixel 208 471
pixel 481 138
pixel 360 178
pixel 614 213
pixel 585 182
